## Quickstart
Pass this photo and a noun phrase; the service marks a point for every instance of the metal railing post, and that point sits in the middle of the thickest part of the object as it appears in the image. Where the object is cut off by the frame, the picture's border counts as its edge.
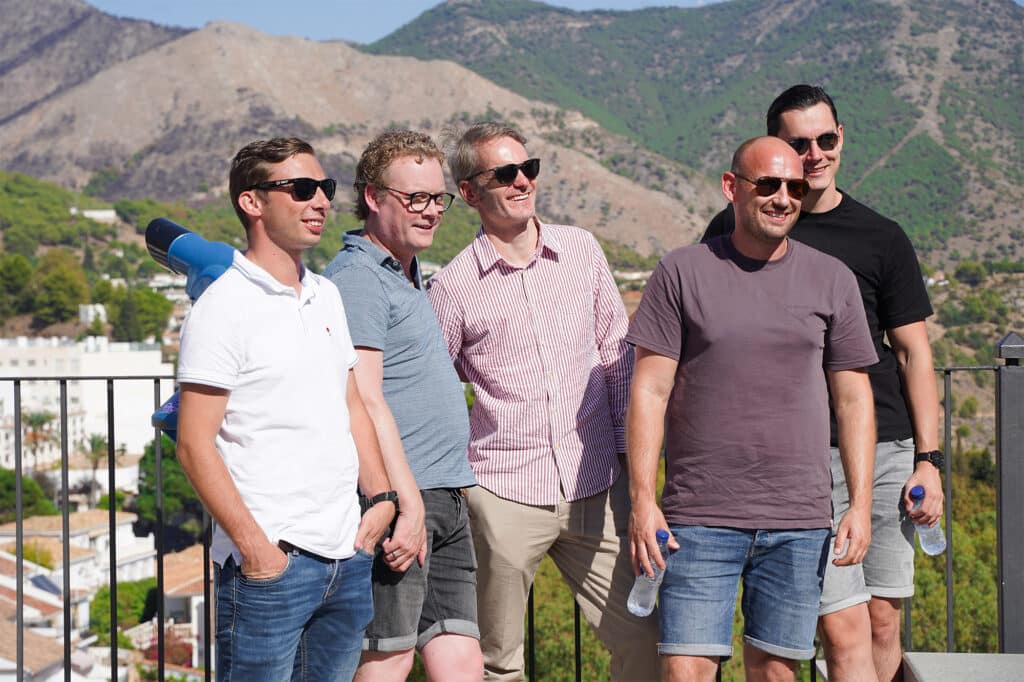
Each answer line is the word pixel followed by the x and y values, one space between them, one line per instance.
pixel 1009 497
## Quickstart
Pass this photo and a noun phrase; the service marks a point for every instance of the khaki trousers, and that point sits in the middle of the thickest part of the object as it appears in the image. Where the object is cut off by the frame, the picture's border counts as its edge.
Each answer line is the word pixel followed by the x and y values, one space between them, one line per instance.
pixel 587 540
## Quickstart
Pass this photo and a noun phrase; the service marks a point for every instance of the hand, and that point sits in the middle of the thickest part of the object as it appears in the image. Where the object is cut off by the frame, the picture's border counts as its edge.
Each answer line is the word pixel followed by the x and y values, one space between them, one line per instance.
pixel 409 539
pixel 645 520
pixel 266 562
pixel 853 536
pixel 927 476
pixel 373 525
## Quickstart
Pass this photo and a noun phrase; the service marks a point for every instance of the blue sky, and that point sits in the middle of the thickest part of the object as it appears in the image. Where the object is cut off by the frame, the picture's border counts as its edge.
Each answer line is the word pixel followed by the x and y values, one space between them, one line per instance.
pixel 360 21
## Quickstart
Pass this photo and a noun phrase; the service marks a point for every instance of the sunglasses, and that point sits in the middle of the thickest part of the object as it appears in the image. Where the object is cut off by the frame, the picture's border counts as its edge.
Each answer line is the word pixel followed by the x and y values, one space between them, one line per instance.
pixel 418 201
pixel 507 174
pixel 826 142
pixel 302 189
pixel 767 186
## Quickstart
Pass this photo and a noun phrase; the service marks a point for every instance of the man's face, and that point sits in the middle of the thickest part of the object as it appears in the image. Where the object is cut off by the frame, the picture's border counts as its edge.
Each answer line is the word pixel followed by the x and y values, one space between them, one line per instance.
pixel 293 225
pixel 500 205
pixel 820 166
pixel 402 231
pixel 764 215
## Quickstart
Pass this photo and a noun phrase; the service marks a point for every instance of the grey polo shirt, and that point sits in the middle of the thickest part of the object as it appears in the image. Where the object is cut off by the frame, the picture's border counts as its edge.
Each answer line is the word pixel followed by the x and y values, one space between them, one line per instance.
pixel 387 313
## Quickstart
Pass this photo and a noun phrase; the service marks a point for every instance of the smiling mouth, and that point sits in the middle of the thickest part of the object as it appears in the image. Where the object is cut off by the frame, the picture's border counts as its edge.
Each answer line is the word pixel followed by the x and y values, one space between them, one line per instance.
pixel 521 197
pixel 314 225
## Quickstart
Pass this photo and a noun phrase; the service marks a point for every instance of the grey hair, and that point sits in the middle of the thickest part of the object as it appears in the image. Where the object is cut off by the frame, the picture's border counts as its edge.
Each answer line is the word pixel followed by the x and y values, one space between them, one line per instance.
pixel 461 145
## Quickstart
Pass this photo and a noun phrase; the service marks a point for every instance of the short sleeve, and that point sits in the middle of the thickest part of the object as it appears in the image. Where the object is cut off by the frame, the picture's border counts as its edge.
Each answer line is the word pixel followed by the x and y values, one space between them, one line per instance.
pixel 903 297
pixel 366 303
pixel 848 344
pixel 211 350
pixel 657 324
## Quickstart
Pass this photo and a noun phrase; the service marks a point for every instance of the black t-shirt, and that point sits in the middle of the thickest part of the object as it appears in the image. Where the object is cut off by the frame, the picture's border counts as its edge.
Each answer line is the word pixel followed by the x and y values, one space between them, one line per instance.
pixel 881 256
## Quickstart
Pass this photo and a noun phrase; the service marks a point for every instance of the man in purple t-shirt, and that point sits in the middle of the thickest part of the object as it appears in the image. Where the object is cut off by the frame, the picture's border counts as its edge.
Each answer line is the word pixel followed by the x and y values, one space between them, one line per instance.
pixel 731 338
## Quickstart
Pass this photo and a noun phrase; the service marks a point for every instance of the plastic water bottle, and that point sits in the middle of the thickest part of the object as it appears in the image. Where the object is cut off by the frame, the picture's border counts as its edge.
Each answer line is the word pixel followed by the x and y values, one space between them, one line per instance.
pixel 932 539
pixel 645 589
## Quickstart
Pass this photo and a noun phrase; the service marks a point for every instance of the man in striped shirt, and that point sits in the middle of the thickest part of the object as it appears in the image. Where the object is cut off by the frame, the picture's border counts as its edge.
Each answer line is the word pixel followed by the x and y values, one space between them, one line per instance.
pixel 534 321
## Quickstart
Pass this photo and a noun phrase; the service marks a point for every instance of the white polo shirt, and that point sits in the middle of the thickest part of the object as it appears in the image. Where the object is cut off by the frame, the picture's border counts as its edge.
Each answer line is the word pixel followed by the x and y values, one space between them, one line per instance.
pixel 285 437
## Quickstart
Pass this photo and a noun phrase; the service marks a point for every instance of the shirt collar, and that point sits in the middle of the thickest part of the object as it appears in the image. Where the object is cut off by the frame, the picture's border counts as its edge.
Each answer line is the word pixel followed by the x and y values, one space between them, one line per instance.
pixel 488 257
pixel 257 275
pixel 354 239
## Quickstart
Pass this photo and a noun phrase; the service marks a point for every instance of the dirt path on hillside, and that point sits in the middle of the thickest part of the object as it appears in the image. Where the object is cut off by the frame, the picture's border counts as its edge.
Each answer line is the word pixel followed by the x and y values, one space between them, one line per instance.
pixel 928 103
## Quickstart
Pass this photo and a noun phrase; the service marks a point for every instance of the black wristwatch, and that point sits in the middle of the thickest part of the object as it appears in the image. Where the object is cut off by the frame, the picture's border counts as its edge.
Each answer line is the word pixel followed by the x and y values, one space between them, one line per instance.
pixel 386 496
pixel 933 456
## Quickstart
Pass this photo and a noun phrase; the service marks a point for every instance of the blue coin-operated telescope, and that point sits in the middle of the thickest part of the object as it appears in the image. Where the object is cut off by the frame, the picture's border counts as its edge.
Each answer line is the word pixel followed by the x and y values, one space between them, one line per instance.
pixel 185 253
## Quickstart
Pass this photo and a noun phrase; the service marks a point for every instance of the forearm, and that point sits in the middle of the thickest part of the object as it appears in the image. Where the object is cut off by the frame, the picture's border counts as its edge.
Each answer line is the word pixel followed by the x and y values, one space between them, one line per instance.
pixel 917 369
pixel 393 454
pixel 373 477
pixel 645 431
pixel 855 416
pixel 205 469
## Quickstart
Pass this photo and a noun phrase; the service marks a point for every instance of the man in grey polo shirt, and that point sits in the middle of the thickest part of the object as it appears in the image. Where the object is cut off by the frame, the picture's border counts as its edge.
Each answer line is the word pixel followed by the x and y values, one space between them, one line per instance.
pixel 424 575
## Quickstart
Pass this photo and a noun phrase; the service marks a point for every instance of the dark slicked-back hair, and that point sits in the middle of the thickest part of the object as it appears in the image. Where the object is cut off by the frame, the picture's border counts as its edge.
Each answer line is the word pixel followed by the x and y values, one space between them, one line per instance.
pixel 252 163
pixel 462 155
pixel 797 97
pixel 381 152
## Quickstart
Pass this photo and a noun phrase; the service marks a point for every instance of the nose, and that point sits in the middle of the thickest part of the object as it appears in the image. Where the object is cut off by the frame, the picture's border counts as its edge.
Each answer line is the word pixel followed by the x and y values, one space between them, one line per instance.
pixel 521 181
pixel 320 199
pixel 813 152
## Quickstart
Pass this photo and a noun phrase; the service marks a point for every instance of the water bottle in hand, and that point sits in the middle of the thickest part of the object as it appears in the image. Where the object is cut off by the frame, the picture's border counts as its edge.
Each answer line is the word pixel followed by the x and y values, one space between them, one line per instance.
pixel 645 589
pixel 932 539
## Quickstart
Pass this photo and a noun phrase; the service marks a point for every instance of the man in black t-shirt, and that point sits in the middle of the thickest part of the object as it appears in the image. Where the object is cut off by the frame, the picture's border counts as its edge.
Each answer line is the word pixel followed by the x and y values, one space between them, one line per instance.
pixel 860 607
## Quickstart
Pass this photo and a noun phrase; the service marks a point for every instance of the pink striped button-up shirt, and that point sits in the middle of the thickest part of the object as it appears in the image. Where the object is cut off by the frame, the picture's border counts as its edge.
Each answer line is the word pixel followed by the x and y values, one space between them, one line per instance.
pixel 543 346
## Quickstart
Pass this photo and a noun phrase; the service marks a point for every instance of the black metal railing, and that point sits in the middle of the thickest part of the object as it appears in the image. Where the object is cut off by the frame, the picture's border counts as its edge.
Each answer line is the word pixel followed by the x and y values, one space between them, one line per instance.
pixel 1009 395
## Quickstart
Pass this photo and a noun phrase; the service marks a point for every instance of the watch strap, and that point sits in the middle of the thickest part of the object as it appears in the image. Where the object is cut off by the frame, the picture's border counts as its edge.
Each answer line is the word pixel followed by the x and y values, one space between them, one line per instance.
pixel 934 457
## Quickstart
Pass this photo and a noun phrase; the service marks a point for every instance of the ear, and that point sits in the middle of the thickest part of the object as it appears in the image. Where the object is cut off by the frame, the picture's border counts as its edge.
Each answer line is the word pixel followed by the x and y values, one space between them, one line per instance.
pixel 729 186
pixel 469 193
pixel 370 196
pixel 839 130
pixel 250 204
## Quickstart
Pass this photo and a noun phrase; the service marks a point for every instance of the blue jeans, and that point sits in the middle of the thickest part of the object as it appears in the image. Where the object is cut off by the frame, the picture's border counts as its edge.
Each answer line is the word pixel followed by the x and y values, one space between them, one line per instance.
pixel 305 624
pixel 781 571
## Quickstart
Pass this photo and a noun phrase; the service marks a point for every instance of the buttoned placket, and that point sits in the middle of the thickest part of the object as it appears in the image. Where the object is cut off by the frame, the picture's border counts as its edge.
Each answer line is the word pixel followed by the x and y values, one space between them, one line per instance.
pixel 544 349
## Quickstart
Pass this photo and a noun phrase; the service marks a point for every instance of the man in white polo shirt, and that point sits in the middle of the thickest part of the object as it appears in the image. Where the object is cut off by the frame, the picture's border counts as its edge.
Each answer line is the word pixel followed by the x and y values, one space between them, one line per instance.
pixel 275 438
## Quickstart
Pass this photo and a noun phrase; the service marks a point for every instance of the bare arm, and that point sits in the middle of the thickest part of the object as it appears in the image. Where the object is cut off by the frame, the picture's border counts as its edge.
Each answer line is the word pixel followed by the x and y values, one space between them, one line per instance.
pixel 408 542
pixel 653 379
pixel 855 414
pixel 200 414
pixel 914 355
pixel 373 477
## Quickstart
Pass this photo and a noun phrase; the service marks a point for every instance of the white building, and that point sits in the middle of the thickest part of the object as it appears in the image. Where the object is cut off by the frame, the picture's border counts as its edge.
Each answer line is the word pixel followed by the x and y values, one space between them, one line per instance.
pixel 96 358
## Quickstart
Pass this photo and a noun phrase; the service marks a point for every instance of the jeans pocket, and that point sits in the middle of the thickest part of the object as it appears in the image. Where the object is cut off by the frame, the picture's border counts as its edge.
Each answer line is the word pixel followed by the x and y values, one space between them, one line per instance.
pixel 267 581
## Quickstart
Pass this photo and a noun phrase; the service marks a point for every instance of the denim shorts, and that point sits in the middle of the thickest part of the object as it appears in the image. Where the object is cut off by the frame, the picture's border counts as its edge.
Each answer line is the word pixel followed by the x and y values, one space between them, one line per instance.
pixel 306 623
pixel 888 567
pixel 781 572
pixel 436 598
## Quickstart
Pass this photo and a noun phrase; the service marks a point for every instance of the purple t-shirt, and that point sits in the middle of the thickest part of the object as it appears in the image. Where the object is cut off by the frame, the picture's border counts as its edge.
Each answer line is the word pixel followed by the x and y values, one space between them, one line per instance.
pixel 747 430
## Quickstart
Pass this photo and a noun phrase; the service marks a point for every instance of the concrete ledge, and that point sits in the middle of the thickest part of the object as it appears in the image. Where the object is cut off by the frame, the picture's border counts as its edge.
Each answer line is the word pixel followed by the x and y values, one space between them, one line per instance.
pixel 921 666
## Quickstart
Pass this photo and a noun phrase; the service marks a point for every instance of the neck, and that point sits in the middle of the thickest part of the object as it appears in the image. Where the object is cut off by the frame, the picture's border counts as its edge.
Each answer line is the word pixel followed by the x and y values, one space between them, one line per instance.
pixel 821 201
pixel 285 267
pixel 759 249
pixel 405 259
pixel 515 244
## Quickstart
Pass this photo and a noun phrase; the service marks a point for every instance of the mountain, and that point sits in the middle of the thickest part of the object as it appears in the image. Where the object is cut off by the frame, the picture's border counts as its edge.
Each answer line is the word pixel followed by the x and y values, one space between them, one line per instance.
pixel 164 123
pixel 930 93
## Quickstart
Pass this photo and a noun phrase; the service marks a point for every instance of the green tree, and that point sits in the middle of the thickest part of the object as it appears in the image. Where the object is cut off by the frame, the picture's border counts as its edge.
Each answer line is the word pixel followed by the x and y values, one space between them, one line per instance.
pixel 57 287
pixel 125 324
pixel 183 512
pixel 34 500
pixel 136 603
pixel 971 273
pixel 15 272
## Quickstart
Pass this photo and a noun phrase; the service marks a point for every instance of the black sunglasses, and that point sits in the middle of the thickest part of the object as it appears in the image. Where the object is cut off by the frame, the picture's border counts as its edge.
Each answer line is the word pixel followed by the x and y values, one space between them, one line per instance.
pixel 507 174
pixel 418 201
pixel 303 189
pixel 826 142
pixel 767 186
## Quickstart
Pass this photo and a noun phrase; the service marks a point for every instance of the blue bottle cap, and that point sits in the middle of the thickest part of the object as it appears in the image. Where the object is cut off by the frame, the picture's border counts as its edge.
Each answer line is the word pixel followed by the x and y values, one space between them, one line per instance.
pixel 917 493
pixel 662 535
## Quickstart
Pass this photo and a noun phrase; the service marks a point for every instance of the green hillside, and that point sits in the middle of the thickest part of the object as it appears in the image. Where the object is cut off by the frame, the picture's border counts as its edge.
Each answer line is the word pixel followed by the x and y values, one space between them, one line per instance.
pixel 691 83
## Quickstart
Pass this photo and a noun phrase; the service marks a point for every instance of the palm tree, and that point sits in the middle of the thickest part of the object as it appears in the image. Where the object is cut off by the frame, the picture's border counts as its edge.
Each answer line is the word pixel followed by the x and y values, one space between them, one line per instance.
pixel 37 431
pixel 95 451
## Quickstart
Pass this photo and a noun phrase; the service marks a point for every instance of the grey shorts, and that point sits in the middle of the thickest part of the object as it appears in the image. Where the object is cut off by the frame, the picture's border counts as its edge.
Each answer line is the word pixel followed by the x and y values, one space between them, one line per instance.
pixel 888 567
pixel 439 597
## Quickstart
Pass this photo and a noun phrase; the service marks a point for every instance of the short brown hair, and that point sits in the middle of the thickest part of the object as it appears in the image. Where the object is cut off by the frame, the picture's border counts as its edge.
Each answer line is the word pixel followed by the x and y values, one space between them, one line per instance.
pixel 251 165
pixel 379 155
pixel 462 158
